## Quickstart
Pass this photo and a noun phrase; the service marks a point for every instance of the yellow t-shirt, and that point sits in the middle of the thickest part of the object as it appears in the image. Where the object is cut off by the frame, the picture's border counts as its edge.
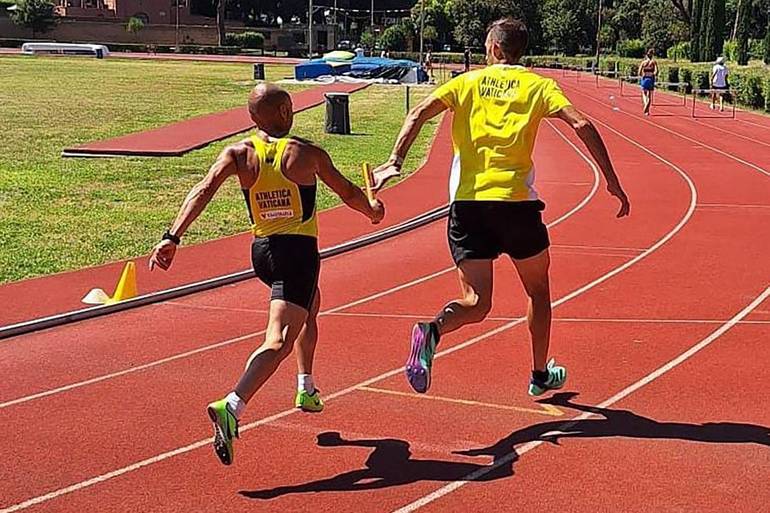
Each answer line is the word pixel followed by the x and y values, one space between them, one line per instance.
pixel 497 111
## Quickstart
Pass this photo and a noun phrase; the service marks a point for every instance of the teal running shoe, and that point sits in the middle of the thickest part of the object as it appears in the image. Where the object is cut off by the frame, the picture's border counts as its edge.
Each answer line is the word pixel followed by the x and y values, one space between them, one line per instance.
pixel 225 430
pixel 557 376
pixel 424 341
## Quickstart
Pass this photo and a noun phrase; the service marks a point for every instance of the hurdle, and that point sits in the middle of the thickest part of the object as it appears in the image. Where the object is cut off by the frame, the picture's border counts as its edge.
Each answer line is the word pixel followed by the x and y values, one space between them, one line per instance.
pixel 610 78
pixel 730 96
pixel 629 80
pixel 678 88
pixel 582 71
pixel 570 72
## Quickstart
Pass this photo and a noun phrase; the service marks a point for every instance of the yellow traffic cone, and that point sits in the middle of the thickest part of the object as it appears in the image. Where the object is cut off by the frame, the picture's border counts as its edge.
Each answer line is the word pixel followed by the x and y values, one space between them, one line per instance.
pixel 126 288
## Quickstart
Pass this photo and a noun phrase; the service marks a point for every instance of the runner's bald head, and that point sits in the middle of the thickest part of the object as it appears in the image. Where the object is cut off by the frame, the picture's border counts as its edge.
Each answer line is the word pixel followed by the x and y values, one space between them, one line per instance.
pixel 271 109
pixel 507 41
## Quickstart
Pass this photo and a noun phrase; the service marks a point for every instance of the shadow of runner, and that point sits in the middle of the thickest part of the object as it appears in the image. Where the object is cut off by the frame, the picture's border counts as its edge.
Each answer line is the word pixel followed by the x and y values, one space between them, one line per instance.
pixel 621 423
pixel 390 464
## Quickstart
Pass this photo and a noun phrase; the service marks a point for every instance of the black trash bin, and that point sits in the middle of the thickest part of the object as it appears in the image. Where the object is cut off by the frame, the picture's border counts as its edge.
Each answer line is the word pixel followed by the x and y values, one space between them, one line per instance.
pixel 99 53
pixel 259 71
pixel 337 113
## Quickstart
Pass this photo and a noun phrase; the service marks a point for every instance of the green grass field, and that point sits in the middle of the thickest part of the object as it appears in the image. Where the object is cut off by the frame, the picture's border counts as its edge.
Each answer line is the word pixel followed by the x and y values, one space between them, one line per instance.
pixel 58 214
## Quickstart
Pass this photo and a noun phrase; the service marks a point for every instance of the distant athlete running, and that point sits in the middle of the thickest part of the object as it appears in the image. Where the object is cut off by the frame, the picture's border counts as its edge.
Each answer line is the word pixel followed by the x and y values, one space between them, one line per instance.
pixel 495 208
pixel 648 71
pixel 278 178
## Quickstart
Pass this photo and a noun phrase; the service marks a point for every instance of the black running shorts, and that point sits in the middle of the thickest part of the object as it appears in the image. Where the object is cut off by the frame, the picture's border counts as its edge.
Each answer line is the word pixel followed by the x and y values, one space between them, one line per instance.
pixel 483 230
pixel 289 265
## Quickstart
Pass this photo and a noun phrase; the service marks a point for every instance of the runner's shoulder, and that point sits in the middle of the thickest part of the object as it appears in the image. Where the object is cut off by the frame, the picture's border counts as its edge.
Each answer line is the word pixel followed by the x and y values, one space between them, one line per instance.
pixel 304 147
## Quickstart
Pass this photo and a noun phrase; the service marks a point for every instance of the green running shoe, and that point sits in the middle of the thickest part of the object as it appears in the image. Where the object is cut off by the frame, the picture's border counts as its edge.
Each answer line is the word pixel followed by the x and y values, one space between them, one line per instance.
pixel 311 403
pixel 225 430
pixel 557 376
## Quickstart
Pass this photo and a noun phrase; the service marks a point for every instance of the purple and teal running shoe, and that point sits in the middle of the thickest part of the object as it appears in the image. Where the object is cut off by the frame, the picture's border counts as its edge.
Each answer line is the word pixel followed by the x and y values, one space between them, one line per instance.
pixel 424 341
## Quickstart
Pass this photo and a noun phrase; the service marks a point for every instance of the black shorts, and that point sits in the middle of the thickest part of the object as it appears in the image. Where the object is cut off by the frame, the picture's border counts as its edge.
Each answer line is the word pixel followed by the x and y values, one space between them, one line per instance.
pixel 289 265
pixel 482 230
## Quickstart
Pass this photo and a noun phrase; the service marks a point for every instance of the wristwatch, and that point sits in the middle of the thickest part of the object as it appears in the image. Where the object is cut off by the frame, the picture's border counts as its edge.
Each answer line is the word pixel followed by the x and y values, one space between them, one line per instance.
pixel 167 235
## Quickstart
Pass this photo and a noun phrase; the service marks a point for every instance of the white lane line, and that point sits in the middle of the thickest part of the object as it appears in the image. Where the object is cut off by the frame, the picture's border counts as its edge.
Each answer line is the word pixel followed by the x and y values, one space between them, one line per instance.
pixel 210 347
pixel 202 443
pixel 241 338
pixel 612 248
pixel 652 376
pixel 730 205
pixel 690 139
pixel 627 320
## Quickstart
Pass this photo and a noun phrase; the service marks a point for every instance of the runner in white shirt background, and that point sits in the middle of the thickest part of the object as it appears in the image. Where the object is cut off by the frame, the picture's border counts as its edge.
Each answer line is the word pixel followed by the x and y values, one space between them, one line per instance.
pixel 719 83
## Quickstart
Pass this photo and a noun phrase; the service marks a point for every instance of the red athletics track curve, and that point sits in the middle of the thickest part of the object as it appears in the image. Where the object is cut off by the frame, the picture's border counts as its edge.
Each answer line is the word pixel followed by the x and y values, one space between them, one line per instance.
pixel 621 470
pixel 750 147
pixel 667 204
pixel 97 343
pixel 49 295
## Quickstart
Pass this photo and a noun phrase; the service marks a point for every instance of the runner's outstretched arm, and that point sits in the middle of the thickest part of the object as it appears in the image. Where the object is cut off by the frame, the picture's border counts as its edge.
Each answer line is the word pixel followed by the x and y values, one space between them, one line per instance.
pixel 351 195
pixel 226 165
pixel 428 109
pixel 593 141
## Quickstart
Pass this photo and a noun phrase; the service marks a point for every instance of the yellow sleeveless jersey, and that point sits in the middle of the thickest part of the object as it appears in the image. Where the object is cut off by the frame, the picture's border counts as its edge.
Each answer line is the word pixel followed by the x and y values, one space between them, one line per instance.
pixel 497 111
pixel 278 206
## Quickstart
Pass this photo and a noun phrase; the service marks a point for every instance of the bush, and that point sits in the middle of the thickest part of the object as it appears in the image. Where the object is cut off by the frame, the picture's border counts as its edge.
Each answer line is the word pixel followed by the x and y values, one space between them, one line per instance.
pixel 685 75
pixel 672 75
pixel 756 48
pixel 702 79
pixel 631 48
pixel 679 51
pixel 767 94
pixel 750 92
pixel 730 50
pixel 245 39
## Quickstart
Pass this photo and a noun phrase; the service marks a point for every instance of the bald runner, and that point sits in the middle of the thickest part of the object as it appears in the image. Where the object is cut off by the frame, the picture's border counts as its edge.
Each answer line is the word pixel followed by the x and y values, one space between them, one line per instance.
pixel 278 176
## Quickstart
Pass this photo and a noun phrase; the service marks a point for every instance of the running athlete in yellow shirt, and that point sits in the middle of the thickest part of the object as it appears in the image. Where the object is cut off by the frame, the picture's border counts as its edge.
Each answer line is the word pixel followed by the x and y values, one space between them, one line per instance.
pixel 278 177
pixel 495 207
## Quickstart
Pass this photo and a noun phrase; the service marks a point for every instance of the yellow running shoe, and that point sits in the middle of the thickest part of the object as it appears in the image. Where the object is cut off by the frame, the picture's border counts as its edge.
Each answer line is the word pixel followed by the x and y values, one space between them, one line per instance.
pixel 311 403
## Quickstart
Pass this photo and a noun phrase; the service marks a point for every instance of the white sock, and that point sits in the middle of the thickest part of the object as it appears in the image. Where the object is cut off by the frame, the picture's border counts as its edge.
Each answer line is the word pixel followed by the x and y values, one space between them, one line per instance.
pixel 236 404
pixel 305 382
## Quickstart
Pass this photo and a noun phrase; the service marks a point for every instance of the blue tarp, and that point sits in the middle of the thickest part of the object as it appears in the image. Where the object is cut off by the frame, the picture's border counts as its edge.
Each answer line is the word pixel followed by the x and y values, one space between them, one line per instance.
pixel 360 67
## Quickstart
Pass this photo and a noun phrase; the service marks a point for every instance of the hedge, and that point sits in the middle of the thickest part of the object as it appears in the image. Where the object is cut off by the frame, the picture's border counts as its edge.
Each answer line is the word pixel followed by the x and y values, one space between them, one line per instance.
pixel 245 39
pixel 751 84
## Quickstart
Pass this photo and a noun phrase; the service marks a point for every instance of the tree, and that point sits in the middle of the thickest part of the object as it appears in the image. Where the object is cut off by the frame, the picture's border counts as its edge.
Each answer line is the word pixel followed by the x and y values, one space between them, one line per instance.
pixel 472 17
pixel 683 10
pixel 695 29
pixel 436 17
pixel 395 37
pixel 37 15
pixel 368 39
pixel 660 30
pixel 767 42
pixel 743 25
pixel 561 26
pixel 134 25
pixel 713 37
pixel 430 33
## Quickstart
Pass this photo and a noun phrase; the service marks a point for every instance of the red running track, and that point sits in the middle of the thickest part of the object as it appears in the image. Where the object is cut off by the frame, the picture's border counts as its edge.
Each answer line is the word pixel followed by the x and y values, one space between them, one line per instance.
pixel 58 293
pixel 176 139
pixel 660 317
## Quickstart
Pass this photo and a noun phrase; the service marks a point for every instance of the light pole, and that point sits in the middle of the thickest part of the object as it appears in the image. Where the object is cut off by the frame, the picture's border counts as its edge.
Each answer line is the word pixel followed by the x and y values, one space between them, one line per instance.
pixel 176 28
pixel 422 27
pixel 598 36
pixel 372 17
pixel 334 32
pixel 310 29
